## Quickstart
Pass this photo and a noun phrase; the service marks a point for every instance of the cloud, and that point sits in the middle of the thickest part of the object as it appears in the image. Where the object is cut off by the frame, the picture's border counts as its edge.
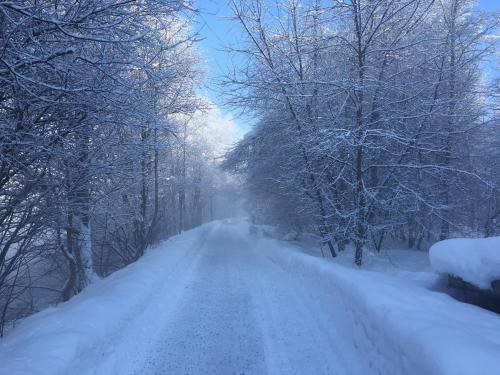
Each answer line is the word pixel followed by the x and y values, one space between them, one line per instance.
pixel 218 128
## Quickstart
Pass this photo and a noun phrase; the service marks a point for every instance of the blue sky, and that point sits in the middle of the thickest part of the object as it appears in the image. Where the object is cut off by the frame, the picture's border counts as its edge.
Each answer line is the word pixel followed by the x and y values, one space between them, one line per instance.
pixel 219 32
pixel 490 4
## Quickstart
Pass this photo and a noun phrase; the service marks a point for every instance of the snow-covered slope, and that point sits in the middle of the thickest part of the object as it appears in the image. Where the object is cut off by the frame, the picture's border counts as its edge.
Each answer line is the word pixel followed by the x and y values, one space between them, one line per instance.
pixel 80 333
pixel 400 326
pixel 225 299
pixel 476 260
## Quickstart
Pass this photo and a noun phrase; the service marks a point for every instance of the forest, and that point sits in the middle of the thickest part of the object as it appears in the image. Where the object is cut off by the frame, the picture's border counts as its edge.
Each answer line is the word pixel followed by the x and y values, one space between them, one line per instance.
pixel 377 120
pixel 104 148
pixel 374 121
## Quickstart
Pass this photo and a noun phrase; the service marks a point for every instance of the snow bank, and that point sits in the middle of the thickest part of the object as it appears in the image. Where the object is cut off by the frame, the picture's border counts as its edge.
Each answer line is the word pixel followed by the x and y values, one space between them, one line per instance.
pixel 398 326
pixel 475 260
pixel 62 339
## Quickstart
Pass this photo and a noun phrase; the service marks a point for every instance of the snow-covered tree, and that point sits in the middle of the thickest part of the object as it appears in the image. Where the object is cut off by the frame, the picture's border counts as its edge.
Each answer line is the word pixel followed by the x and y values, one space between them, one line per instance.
pixel 366 109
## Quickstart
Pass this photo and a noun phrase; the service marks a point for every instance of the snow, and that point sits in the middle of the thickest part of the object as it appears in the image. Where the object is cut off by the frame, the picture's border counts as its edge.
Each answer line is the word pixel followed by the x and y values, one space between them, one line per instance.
pixel 475 260
pixel 400 326
pixel 225 298
pixel 81 332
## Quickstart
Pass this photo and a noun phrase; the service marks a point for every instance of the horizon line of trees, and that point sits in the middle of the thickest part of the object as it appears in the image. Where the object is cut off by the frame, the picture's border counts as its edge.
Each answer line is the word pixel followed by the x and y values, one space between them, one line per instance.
pixel 375 119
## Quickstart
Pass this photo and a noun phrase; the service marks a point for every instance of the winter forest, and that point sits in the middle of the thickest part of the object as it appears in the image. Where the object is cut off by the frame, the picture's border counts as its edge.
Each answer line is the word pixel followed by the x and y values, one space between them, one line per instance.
pixel 104 147
pixel 375 120
pixel 371 122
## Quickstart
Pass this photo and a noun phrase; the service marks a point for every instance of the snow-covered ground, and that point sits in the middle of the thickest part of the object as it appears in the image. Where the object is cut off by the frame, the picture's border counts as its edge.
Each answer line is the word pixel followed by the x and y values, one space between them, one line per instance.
pixel 226 299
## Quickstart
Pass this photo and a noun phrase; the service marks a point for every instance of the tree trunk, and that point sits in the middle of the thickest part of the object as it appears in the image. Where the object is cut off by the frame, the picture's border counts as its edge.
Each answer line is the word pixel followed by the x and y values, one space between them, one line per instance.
pixel 68 251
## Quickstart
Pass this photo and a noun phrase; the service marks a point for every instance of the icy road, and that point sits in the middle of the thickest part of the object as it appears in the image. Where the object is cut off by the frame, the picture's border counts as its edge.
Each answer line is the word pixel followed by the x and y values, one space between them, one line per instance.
pixel 226 299
pixel 232 311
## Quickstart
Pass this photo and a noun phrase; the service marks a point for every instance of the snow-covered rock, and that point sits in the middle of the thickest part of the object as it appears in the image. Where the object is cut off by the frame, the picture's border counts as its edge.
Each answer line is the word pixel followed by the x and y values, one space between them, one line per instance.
pixel 475 260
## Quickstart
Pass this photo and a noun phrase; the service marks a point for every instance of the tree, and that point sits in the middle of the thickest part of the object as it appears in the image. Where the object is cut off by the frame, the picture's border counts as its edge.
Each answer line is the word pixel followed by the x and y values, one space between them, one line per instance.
pixel 87 90
pixel 364 109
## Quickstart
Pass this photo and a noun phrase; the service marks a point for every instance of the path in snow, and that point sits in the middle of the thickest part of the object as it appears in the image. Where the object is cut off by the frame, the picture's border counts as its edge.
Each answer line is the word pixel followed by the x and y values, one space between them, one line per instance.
pixel 228 309
pixel 225 299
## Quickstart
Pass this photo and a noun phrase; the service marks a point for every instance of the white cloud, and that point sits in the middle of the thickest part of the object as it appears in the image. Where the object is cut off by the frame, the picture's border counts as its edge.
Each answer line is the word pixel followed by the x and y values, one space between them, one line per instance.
pixel 219 129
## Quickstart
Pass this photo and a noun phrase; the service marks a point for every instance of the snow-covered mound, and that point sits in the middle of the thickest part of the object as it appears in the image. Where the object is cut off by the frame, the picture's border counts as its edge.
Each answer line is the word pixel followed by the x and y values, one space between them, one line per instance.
pixel 475 260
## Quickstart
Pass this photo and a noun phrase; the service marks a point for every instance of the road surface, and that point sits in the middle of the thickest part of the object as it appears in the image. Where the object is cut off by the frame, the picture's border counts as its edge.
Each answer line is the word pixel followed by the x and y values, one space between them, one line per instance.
pixel 227 308
pixel 225 299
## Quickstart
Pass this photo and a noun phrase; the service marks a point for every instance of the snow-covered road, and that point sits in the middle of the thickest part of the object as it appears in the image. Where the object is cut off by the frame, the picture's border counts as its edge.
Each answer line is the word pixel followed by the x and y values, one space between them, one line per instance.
pixel 231 310
pixel 226 299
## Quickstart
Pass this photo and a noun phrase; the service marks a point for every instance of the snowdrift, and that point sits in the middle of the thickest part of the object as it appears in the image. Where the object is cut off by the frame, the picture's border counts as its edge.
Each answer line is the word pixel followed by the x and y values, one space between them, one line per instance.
pixel 475 260
pixel 76 335
pixel 401 327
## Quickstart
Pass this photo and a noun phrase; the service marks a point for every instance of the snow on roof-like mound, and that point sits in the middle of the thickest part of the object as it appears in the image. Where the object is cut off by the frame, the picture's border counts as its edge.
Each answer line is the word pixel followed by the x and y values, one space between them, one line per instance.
pixel 475 260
